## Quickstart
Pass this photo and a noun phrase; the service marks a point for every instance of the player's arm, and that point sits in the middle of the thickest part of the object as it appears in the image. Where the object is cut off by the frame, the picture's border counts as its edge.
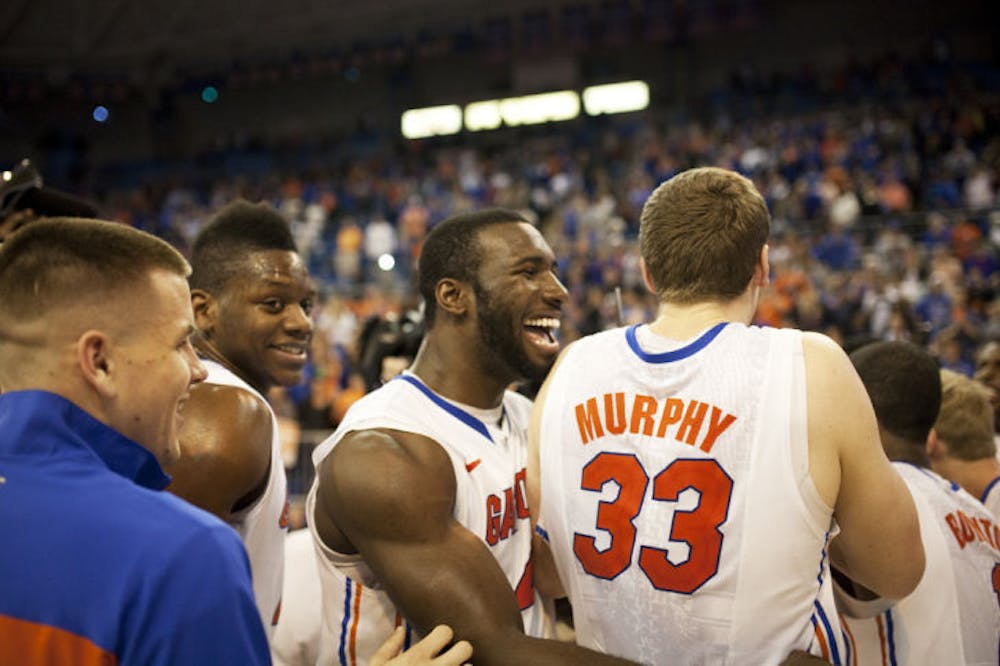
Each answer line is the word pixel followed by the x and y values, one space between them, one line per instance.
pixel 225 449
pixel 390 496
pixel 879 544
pixel 546 575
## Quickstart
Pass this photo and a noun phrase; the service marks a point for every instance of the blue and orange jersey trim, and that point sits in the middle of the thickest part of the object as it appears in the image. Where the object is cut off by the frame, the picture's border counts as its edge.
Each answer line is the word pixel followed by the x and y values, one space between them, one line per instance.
pixel 825 637
pixel 674 355
pixel 456 411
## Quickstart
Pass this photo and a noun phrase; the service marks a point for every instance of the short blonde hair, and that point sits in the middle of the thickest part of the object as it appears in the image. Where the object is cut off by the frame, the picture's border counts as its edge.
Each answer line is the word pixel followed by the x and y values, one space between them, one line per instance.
pixel 53 263
pixel 965 422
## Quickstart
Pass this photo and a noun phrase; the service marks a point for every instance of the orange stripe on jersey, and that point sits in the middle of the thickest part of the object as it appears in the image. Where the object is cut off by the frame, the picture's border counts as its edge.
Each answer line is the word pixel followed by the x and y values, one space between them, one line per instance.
pixel 277 614
pixel 399 619
pixel 31 643
pixel 881 640
pixel 823 647
pixel 354 625
pixel 473 465
pixel 850 637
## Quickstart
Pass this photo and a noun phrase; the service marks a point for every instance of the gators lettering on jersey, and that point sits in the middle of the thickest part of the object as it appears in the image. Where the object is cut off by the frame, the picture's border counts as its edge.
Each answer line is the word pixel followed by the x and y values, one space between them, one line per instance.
pixel 490 501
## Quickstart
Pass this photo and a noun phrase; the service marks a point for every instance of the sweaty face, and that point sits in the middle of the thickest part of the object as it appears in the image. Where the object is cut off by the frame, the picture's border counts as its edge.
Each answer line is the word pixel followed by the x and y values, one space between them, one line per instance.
pixel 155 366
pixel 262 323
pixel 518 301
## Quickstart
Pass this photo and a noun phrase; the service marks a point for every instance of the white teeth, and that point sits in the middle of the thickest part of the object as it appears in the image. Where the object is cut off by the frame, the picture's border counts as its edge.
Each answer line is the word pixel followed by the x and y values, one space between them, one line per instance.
pixel 290 349
pixel 543 322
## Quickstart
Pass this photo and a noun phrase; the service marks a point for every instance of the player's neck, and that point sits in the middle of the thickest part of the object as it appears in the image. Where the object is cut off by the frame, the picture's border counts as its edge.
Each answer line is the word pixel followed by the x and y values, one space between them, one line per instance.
pixel 900 449
pixel 207 350
pixel 446 371
pixel 682 321
pixel 973 475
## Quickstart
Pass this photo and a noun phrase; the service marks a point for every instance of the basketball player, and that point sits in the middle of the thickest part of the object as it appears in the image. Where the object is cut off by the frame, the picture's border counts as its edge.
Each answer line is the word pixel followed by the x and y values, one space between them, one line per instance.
pixel 964 450
pixel 693 470
pixel 954 614
pixel 252 299
pixel 904 385
pixel 97 566
pixel 419 506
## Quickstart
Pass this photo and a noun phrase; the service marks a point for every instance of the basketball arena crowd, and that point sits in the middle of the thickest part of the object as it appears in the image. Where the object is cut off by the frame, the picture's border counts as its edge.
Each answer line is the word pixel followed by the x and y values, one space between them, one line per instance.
pixel 882 178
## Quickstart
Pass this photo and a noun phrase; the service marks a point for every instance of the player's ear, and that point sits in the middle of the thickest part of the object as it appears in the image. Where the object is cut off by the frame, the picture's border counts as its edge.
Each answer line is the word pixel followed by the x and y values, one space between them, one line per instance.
pixel 94 357
pixel 646 278
pixel 935 447
pixel 762 270
pixel 206 309
pixel 453 296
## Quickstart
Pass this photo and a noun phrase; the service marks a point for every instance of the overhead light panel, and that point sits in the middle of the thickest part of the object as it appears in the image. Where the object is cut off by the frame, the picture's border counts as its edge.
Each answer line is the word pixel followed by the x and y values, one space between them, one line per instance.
pixel 432 121
pixel 616 97
pixel 542 108
pixel 483 115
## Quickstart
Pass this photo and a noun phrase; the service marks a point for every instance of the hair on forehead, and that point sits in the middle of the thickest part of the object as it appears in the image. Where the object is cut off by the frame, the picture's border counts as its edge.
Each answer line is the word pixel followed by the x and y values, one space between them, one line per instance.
pixel 237 229
pixel 904 385
pixel 451 250
pixel 55 262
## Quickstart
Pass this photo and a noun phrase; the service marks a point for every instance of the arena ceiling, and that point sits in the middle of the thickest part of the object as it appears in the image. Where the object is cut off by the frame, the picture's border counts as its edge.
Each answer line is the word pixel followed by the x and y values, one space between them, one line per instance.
pixel 65 38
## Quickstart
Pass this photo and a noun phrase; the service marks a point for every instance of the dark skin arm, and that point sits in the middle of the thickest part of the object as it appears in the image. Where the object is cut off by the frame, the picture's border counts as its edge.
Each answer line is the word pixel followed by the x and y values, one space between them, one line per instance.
pixel 225 450
pixel 435 570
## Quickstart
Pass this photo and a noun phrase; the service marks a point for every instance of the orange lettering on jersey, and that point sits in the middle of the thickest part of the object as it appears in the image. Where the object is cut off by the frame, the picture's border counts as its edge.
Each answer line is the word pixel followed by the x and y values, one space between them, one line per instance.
pixel 638 415
pixel 508 525
pixel 691 423
pixel 955 528
pixel 503 511
pixel 614 418
pixel 521 494
pixel 285 520
pixel 967 530
pixel 589 421
pixel 642 415
pixel 672 410
pixel 991 531
pixel 525 589
pixel 717 425
pixel 494 512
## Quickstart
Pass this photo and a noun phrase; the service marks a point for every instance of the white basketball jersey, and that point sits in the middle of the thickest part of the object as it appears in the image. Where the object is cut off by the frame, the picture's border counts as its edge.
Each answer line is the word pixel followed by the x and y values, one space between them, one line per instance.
pixel 973 537
pixel 922 628
pixel 262 525
pixel 296 638
pixel 489 465
pixel 678 502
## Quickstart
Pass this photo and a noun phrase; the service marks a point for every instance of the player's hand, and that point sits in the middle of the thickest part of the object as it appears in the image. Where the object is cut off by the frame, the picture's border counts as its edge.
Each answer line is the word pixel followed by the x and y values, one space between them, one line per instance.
pixel 424 653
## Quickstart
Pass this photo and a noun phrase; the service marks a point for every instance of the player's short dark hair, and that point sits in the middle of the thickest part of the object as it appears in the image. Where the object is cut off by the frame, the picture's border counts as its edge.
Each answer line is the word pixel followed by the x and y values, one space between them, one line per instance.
pixel 452 250
pixel 220 249
pixel 904 384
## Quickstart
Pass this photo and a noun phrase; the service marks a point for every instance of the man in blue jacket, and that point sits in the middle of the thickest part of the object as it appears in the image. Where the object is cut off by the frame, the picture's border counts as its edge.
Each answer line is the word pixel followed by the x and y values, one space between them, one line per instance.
pixel 97 566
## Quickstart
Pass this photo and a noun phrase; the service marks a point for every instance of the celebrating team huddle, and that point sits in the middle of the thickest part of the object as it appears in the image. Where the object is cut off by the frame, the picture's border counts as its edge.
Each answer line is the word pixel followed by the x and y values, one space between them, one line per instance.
pixel 701 490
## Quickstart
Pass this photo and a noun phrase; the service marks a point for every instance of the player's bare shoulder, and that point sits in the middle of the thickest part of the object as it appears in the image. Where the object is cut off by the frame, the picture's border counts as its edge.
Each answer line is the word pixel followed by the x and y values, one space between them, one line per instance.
pixel 381 499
